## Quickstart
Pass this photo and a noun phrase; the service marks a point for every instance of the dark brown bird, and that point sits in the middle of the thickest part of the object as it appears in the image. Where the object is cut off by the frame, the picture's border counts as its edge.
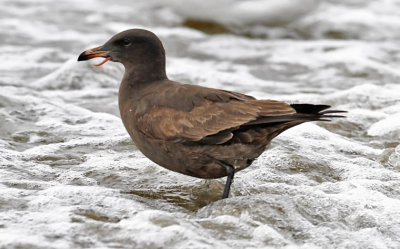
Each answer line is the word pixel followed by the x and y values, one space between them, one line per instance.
pixel 194 130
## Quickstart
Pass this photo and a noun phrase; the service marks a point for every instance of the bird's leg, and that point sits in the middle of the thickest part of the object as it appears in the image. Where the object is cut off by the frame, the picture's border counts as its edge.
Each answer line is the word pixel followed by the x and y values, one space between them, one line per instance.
pixel 230 171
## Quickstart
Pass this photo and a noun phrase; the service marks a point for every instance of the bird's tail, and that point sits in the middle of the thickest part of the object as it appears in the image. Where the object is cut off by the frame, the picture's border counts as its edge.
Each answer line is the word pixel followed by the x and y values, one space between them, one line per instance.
pixel 304 113
pixel 310 112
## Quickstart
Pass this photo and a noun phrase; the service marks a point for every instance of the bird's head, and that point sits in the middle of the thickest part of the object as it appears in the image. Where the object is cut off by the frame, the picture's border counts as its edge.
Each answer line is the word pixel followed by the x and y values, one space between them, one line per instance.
pixel 134 48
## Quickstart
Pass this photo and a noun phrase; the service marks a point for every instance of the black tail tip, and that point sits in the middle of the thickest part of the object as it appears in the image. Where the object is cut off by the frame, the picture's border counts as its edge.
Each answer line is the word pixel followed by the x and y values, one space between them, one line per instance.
pixel 320 112
pixel 309 108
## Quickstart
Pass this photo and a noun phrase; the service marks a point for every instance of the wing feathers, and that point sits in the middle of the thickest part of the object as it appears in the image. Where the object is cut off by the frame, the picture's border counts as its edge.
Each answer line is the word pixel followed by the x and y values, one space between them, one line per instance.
pixel 208 119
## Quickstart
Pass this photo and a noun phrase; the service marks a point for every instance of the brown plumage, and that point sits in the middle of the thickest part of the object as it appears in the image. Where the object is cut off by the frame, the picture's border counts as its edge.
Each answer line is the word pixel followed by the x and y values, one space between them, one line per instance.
pixel 197 131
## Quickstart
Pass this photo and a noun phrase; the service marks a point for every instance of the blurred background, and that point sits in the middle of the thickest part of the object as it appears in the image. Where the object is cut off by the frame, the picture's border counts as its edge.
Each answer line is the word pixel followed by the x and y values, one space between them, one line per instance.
pixel 70 177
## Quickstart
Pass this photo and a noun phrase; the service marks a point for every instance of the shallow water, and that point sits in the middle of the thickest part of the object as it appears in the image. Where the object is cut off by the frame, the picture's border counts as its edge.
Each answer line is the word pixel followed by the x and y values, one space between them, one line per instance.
pixel 70 177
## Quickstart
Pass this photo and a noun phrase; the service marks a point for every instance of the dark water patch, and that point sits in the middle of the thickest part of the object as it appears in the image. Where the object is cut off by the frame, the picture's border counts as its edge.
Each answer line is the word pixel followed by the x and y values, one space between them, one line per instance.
pixel 95 215
pixel 191 198
pixel 10 203
pixel 26 185
pixel 391 144
pixel 169 196
pixel 107 179
pixel 40 138
pixel 338 35
pixel 207 27
pixel 125 145
pixel 57 160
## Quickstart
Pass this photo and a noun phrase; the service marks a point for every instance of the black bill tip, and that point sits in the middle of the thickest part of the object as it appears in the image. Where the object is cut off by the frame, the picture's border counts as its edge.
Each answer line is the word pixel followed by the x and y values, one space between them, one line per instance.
pixel 84 56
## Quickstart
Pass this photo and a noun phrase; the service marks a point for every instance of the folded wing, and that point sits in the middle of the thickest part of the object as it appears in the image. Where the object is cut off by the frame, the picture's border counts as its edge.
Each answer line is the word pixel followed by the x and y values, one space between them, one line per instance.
pixel 211 120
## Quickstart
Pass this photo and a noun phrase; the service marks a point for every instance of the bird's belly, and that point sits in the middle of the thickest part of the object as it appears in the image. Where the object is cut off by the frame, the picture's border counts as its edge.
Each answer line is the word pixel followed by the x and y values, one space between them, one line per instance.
pixel 202 161
pixel 187 160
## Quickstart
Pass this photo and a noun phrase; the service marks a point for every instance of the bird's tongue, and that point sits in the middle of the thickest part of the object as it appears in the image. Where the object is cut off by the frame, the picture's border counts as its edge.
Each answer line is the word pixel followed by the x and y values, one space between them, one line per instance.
pixel 107 59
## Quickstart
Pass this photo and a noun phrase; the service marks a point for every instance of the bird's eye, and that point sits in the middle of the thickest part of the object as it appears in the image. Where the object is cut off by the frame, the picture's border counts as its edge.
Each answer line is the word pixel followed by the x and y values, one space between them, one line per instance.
pixel 126 42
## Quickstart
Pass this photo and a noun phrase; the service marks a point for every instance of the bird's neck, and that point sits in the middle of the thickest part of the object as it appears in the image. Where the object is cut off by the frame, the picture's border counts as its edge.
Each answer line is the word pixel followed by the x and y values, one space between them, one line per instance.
pixel 138 78
pixel 144 73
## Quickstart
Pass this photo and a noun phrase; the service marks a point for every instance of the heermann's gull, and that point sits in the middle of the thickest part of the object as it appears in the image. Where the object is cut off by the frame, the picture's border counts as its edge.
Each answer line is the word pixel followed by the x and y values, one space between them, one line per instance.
pixel 197 131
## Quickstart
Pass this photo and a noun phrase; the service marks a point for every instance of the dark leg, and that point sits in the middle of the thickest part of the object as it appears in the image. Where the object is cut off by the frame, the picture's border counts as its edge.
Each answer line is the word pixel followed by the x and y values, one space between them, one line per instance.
pixel 230 172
